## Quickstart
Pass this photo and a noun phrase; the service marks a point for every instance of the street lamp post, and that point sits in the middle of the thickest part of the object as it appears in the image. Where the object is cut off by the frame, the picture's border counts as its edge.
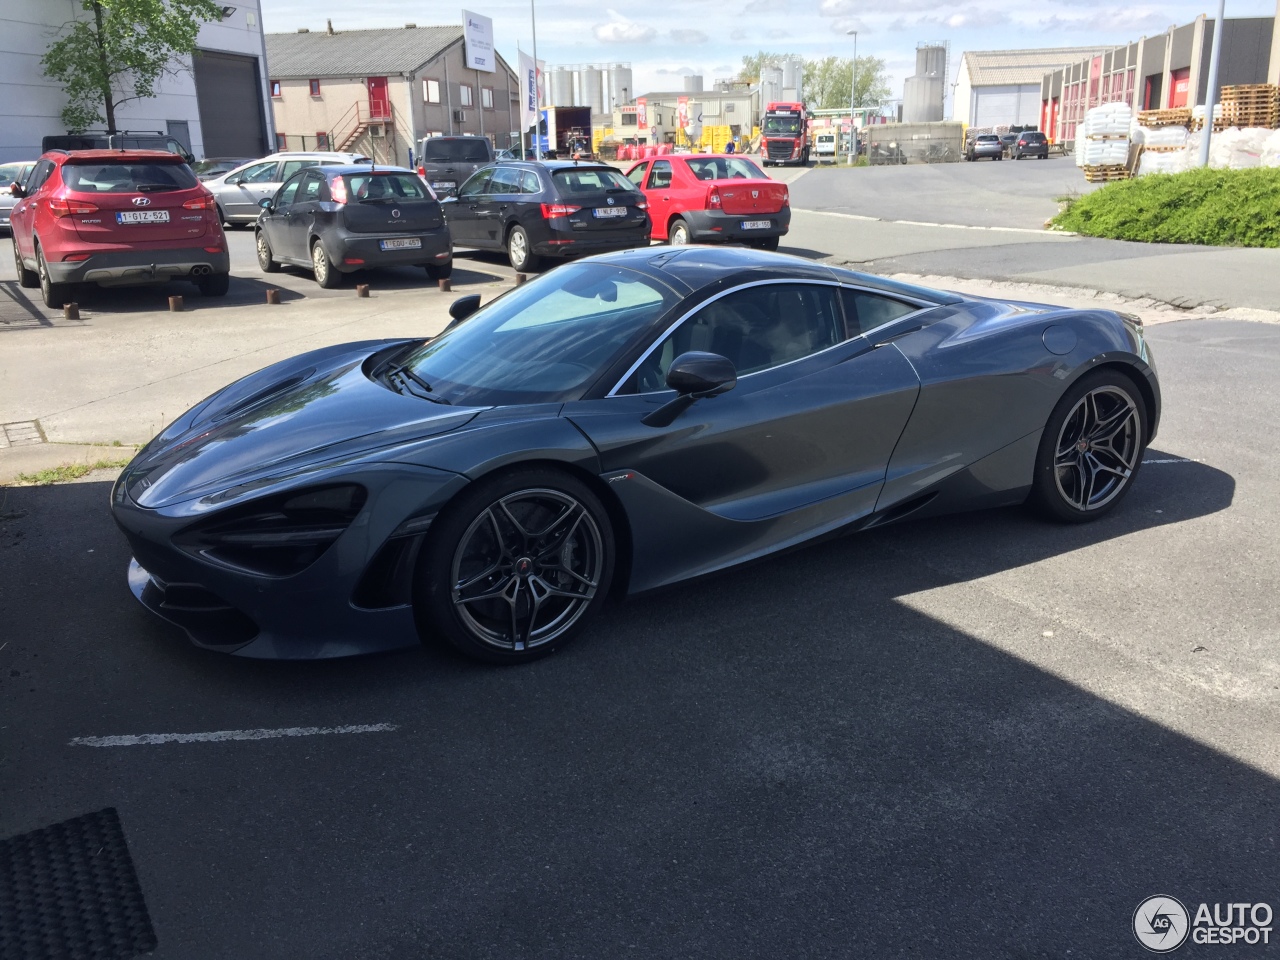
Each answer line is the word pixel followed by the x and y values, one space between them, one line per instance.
pixel 853 97
pixel 537 86
pixel 1211 93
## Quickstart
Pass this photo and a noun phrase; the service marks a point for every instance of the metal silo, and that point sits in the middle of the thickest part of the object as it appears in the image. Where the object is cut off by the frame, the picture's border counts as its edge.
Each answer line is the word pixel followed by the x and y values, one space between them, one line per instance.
pixel 591 89
pixel 621 86
pixel 562 87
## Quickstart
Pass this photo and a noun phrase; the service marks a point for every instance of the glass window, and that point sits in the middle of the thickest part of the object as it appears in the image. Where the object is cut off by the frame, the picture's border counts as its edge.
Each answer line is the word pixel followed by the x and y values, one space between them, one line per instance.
pixel 38 176
pixel 866 311
pixel 282 141
pixel 322 140
pixel 315 87
pixel 725 168
pixel 310 188
pixel 545 341
pixel 456 150
pixel 475 186
pixel 110 177
pixel 275 88
pixel 782 125
pixel 464 94
pixel 431 91
pixel 293 166
pixel 529 182
pixel 486 97
pixel 636 176
pixel 11 173
pixel 575 182
pixel 504 180
pixel 756 328
pixel 285 197
pixel 385 186
pixel 660 177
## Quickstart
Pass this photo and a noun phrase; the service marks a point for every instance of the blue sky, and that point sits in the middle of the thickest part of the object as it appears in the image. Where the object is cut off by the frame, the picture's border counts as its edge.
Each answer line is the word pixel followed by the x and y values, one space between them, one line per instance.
pixel 664 40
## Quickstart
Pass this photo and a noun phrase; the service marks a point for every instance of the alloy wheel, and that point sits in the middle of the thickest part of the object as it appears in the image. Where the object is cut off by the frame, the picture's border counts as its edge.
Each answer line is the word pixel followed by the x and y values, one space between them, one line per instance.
pixel 518 248
pixel 527 569
pixel 679 235
pixel 320 264
pixel 1098 448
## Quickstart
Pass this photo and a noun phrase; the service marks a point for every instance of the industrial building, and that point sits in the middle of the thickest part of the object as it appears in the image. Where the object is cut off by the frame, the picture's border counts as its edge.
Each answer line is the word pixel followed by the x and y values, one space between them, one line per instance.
pixel 601 86
pixel 214 103
pixel 1002 87
pixel 924 93
pixel 1168 70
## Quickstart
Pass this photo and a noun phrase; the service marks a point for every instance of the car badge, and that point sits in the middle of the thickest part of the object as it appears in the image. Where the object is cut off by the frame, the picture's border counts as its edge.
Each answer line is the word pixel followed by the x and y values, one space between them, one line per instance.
pixel 141 201
pixel 396 214
pixel 755 194
pixel 611 201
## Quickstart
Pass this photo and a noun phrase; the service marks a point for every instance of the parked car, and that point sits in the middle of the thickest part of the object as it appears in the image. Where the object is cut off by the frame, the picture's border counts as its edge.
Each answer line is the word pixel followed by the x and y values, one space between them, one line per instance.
pixel 824 146
pixel 335 220
pixel 614 426
pixel 553 208
pixel 121 140
pixel 984 145
pixel 706 198
pixel 1007 140
pixel 240 191
pixel 11 173
pixel 445 162
pixel 212 167
pixel 1030 143
pixel 116 218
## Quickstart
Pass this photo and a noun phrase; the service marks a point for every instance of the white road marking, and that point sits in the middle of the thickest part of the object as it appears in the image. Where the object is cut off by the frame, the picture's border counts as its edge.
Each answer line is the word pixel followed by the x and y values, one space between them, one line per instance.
pixel 1177 460
pixel 133 740
pixel 948 226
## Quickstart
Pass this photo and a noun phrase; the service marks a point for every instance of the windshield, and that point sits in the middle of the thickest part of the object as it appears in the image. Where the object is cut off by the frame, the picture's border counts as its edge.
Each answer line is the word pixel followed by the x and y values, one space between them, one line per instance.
pixel 109 177
pixel 455 151
pixel 545 341
pixel 782 124
pixel 12 173
pixel 725 168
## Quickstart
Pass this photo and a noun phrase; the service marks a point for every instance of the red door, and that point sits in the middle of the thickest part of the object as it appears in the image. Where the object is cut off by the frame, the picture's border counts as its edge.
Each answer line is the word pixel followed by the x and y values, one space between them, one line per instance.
pixel 1179 85
pixel 379 104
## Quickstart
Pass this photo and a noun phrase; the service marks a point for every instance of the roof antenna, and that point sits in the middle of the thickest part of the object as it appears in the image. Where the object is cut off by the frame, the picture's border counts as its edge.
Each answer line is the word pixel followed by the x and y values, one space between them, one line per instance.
pixel 330 25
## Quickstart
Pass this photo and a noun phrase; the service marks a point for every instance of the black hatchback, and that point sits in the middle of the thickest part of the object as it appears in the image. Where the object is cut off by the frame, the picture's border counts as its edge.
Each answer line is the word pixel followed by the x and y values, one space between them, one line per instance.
pixel 338 219
pixel 543 209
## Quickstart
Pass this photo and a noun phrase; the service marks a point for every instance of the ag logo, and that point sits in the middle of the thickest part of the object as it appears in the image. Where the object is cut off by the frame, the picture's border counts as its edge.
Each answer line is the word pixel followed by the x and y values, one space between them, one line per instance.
pixel 1161 924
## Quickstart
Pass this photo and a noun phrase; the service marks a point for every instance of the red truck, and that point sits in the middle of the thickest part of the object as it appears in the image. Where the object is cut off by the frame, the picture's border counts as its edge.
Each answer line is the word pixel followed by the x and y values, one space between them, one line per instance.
pixel 785 134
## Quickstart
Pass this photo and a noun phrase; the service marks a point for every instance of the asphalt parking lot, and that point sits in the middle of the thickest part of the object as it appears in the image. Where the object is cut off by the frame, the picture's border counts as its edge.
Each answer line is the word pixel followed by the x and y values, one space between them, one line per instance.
pixel 983 736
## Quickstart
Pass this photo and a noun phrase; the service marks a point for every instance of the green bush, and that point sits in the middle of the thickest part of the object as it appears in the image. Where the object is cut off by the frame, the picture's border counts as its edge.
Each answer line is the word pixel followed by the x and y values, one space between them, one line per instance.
pixel 1230 208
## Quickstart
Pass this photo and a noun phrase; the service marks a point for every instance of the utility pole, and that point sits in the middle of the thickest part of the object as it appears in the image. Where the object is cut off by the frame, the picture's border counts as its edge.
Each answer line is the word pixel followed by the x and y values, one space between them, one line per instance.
pixel 853 96
pixel 1211 92
pixel 537 85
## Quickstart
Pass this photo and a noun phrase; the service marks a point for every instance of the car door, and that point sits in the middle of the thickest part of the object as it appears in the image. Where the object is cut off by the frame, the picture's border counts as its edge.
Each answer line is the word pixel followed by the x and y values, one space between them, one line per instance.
pixel 242 192
pixel 800 445
pixel 497 205
pixel 22 217
pixel 637 176
pixel 303 209
pixel 657 187
pixel 275 222
pixel 463 210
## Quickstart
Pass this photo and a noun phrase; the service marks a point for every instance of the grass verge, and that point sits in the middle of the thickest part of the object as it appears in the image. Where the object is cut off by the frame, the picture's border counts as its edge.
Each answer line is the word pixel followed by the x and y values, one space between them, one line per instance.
pixel 68 471
pixel 1229 208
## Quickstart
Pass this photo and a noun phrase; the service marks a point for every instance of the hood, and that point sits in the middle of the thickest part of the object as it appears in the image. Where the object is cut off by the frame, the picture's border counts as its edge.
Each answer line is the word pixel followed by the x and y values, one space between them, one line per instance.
pixel 316 407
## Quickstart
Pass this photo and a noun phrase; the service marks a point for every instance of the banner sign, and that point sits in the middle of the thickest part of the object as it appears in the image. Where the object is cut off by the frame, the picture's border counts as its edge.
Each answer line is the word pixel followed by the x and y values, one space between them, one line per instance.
pixel 477 32
pixel 642 113
pixel 528 74
pixel 682 112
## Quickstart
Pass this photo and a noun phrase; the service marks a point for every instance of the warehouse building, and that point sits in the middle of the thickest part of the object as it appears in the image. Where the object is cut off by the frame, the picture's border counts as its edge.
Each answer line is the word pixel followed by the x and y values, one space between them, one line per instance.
pixel 1168 70
pixel 214 104
pixel 1002 87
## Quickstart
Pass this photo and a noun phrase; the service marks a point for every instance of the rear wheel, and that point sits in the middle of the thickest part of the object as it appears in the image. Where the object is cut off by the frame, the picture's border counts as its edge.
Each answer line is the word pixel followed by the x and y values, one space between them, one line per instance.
pixel 55 294
pixel 678 233
pixel 439 271
pixel 517 566
pixel 325 275
pixel 27 279
pixel 1091 448
pixel 766 243
pixel 214 285
pixel 520 251
pixel 265 262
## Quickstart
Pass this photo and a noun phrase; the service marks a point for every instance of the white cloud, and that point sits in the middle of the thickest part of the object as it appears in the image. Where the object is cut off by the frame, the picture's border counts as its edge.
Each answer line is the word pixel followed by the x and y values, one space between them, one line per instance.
pixel 846 24
pixel 837 8
pixel 623 30
pixel 678 71
pixel 738 35
pixel 689 36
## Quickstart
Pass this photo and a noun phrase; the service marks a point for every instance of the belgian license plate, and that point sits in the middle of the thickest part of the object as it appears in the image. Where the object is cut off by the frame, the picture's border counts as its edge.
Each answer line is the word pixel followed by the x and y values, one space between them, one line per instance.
pixel 142 216
pixel 447 185
pixel 756 224
pixel 404 243
pixel 606 212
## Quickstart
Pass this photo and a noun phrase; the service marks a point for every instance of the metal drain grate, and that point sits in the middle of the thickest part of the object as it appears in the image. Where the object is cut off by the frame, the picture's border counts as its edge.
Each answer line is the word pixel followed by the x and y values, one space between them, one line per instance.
pixel 69 890
pixel 21 434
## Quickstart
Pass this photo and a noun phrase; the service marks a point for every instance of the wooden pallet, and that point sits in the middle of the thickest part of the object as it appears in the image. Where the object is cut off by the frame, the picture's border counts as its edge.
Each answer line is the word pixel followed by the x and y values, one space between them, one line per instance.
pixel 1148 148
pixel 1107 173
pixel 1107 136
pixel 1177 117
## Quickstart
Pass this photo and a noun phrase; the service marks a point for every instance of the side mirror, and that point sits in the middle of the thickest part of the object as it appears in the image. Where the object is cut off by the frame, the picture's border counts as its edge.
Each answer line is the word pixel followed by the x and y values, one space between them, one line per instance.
pixel 464 307
pixel 15 190
pixel 266 203
pixel 693 376
pixel 189 157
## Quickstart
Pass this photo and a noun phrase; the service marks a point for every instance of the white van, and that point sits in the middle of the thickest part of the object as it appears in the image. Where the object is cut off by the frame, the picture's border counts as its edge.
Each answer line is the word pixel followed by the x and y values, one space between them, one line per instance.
pixel 824 146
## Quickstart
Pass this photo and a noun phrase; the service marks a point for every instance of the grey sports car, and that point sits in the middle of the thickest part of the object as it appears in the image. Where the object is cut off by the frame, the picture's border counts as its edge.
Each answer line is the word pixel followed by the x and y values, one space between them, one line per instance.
pixel 615 425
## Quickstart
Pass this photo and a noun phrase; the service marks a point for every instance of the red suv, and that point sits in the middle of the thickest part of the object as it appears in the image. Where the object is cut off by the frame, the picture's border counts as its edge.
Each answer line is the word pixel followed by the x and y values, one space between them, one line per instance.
pixel 703 198
pixel 117 218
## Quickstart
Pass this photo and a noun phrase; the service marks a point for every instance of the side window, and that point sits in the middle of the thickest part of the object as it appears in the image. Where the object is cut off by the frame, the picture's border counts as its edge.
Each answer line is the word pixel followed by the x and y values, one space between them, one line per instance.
pixel 38 176
pixel 636 176
pixel 529 182
pixel 287 194
pixel 660 178
pixel 866 311
pixel 293 166
pixel 310 190
pixel 756 327
pixel 475 186
pixel 504 180
pixel 259 173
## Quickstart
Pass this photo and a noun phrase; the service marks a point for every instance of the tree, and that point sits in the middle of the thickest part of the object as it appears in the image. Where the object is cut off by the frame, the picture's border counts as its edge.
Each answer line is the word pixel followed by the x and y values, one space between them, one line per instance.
pixel 827 82
pixel 754 64
pixel 120 52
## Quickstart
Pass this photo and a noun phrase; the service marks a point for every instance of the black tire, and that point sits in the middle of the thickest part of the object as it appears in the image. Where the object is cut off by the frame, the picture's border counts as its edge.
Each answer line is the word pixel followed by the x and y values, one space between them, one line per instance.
pixel 678 233
pixel 266 263
pixel 214 285
pixel 27 279
pixel 520 251
pixel 480 542
pixel 222 217
pixel 56 295
pixel 322 267
pixel 438 272
pixel 766 243
pixel 1091 449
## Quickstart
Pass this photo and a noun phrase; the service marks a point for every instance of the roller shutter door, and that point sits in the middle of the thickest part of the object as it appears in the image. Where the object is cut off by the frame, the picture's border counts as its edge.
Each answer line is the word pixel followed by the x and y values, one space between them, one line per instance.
pixel 996 106
pixel 230 99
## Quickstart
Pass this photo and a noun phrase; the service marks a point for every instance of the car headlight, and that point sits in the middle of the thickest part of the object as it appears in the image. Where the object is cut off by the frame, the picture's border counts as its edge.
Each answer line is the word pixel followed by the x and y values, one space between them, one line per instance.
pixel 276 536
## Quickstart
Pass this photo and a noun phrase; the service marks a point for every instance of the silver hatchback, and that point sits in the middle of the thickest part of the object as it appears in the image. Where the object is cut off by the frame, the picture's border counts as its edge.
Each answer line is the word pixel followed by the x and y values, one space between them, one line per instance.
pixel 240 192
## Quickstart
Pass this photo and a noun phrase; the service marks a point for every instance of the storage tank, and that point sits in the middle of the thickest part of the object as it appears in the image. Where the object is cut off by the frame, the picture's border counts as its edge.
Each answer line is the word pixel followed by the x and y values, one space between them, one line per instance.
pixel 771 84
pixel 592 89
pixel 922 99
pixel 620 84
pixel 793 78
pixel 931 61
pixel 562 87
pixel 693 83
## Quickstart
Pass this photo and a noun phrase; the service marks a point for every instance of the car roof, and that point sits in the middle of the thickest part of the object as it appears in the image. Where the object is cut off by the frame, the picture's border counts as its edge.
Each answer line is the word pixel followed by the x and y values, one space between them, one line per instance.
pixel 309 155
pixel 339 169
pixel 459 136
pixel 68 156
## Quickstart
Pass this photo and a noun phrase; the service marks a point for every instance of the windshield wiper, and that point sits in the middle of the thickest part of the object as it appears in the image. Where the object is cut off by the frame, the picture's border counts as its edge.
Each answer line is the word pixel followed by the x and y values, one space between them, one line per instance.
pixel 406 375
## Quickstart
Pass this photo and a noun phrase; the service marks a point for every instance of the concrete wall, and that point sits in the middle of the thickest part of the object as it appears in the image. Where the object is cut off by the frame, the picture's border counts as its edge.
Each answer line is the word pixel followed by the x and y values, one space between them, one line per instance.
pixel 30 103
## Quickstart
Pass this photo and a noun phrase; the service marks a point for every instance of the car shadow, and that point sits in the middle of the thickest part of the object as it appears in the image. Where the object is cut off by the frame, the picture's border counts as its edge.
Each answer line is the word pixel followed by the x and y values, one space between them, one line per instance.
pixel 785 754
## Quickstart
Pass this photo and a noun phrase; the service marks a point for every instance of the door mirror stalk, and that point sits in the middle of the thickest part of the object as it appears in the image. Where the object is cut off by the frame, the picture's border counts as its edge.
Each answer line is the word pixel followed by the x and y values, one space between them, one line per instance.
pixel 694 375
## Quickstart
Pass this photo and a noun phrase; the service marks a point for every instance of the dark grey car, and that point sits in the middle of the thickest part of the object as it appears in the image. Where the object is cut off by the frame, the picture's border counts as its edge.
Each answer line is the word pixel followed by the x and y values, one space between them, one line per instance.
pixel 336 220
pixel 446 162
pixel 1030 143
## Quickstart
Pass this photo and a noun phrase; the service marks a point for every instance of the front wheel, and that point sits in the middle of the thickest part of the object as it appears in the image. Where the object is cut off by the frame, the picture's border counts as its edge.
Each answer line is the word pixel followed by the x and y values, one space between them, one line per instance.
pixel 321 266
pixel 517 566
pixel 1091 448
pixel 520 251
pixel 266 263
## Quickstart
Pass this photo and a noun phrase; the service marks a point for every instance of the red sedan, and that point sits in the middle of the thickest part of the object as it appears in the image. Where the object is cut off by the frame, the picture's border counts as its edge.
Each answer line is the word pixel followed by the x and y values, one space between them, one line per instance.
pixel 707 198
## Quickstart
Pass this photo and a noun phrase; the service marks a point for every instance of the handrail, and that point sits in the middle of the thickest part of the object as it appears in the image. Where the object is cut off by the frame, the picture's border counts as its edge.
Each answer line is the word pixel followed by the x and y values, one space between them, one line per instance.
pixel 361 114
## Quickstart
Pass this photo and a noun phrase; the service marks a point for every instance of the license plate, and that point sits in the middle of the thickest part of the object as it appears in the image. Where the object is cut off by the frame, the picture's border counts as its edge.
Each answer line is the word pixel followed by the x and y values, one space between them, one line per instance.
pixel 756 224
pixel 444 185
pixel 143 216
pixel 605 212
pixel 404 243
